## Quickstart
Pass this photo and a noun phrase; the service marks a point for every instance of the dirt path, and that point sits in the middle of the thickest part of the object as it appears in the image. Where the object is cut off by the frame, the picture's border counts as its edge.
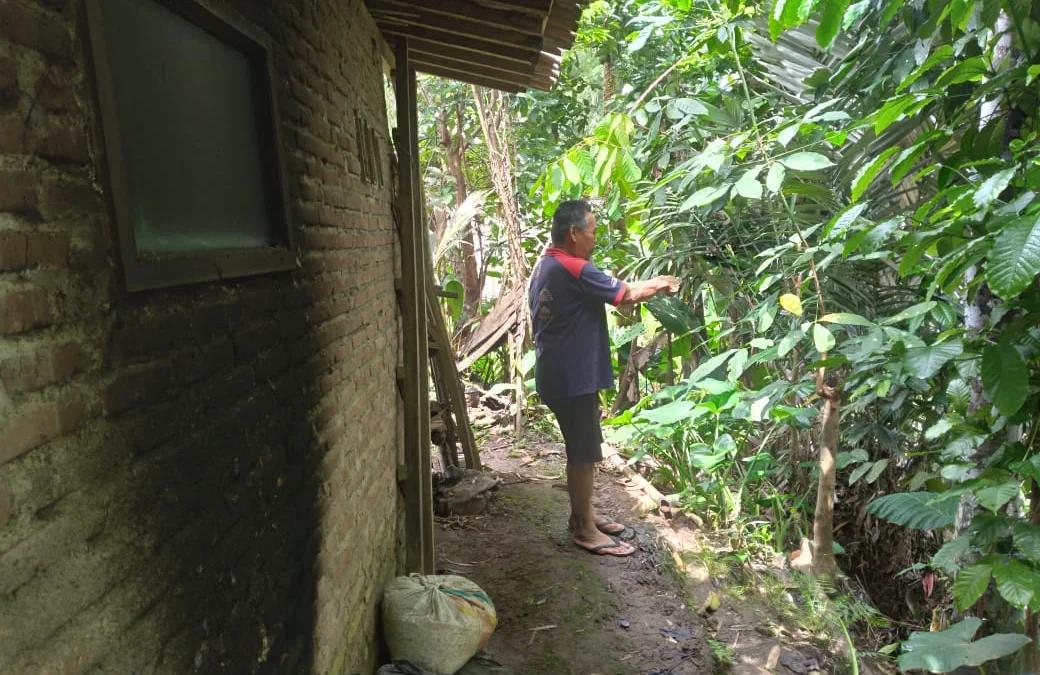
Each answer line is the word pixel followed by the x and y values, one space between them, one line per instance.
pixel 623 616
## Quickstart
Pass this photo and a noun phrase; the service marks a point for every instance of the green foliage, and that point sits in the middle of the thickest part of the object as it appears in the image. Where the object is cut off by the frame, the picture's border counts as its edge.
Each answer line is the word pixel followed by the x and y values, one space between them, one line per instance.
pixel 947 650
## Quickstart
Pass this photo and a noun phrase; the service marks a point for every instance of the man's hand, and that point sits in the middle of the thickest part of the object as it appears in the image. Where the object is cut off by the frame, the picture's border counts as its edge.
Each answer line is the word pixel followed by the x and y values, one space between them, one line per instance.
pixel 671 284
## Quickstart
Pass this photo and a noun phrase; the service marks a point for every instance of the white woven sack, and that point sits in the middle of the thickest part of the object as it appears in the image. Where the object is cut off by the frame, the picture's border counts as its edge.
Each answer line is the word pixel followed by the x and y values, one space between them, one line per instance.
pixel 437 622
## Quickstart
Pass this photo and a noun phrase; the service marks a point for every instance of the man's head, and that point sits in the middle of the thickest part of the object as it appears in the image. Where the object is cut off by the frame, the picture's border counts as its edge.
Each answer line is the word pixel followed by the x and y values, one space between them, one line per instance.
pixel 574 228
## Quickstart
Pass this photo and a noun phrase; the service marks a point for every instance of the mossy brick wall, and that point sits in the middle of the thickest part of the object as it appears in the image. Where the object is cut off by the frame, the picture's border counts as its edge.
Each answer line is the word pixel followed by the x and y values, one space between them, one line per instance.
pixel 199 479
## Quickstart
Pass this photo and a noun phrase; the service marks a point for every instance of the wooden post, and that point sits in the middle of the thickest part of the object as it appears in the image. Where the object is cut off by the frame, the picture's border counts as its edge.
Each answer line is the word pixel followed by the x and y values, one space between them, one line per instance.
pixel 422 258
pixel 418 511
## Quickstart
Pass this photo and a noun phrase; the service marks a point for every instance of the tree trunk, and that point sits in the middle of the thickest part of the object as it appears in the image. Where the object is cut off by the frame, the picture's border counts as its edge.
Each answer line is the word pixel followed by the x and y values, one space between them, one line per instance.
pixel 823 521
pixel 454 147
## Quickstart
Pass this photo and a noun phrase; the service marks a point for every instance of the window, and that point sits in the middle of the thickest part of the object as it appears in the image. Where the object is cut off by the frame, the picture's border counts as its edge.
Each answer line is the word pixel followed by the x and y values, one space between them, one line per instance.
pixel 193 144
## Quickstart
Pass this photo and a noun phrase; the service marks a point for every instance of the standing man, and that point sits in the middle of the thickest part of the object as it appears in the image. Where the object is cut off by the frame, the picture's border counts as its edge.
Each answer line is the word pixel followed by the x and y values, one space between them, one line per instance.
pixel 567 297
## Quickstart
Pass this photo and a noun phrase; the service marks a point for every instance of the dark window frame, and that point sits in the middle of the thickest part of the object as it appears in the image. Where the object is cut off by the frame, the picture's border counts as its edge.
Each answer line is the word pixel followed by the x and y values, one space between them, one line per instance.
pixel 151 271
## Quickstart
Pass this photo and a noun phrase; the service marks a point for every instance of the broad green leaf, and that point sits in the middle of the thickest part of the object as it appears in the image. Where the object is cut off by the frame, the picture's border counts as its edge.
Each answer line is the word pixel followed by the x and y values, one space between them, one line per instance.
pixel 629 168
pixel 784 136
pixel 737 364
pixel 917 510
pixel 1016 582
pixel 947 558
pixel 942 53
pixel 968 70
pixel 846 459
pixel 570 170
pixel 669 413
pixel 791 303
pixel 953 648
pixel 1005 379
pixel 959 394
pixel 823 338
pixel 789 341
pixel 995 496
pixel 1027 540
pixel 991 188
pixel 704 196
pixel 1014 260
pixel 775 177
pixel 971 583
pixel 1029 468
pixel 867 174
pixel 710 366
pixel 762 343
pixel 912 312
pixel 859 472
pixel 758 409
pixel 674 314
pixel 845 319
pixel 748 188
pixel 806 161
pixel 938 429
pixel 830 21
pixel 623 336
pixel 893 109
pixel 926 362
pixel 841 222
pixel 876 470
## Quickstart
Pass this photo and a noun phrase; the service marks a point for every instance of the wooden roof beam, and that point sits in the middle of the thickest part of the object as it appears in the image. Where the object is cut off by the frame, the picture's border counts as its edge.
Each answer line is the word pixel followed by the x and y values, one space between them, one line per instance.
pixel 452 27
pixel 477 45
pixel 512 86
pixel 521 22
pixel 463 57
pixel 484 69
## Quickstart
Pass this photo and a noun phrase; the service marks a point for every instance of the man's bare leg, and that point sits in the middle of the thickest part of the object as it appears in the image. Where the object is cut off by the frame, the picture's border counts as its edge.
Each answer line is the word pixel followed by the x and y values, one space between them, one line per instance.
pixel 580 484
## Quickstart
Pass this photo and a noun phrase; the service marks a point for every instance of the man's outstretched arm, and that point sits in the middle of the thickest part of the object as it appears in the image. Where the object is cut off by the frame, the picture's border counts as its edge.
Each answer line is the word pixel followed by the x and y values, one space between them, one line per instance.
pixel 637 291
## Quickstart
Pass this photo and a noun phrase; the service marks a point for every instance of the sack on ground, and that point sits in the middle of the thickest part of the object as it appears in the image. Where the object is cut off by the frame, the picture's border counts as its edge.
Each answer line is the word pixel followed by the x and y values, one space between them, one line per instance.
pixel 437 622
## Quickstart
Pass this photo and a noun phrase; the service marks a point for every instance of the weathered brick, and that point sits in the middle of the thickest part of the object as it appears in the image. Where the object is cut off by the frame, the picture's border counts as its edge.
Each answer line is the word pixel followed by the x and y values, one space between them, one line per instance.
pixel 53 363
pixel 6 503
pixel 17 191
pixel 35 424
pixel 63 143
pixel 9 92
pixel 24 24
pixel 21 311
pixel 59 197
pixel 134 387
pixel 12 251
pixel 12 134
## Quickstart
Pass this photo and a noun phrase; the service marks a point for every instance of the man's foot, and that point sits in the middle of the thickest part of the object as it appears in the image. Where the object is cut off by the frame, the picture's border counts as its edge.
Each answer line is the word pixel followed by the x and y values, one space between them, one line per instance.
pixel 614 547
pixel 604 525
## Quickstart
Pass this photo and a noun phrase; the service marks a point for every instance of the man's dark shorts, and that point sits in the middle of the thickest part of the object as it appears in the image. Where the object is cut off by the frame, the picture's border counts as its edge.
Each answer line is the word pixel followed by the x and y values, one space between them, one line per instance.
pixel 578 418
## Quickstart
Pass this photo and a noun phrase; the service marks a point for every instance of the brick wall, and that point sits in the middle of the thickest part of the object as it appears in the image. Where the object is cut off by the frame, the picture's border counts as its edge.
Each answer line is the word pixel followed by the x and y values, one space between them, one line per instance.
pixel 198 479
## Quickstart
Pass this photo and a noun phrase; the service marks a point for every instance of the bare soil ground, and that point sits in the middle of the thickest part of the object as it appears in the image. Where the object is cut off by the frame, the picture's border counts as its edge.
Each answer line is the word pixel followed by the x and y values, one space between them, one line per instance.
pixel 562 611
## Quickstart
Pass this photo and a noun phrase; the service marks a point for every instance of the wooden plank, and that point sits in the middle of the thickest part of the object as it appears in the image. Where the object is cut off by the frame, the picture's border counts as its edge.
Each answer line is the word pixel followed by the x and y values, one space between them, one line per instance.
pixel 455 26
pixel 461 56
pixel 476 45
pixel 412 348
pixel 540 6
pixel 467 75
pixel 450 381
pixel 522 22
pixel 422 260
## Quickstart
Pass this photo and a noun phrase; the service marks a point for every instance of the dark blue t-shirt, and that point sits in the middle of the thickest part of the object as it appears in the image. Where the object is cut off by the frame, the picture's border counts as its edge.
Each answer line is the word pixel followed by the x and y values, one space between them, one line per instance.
pixel 566 297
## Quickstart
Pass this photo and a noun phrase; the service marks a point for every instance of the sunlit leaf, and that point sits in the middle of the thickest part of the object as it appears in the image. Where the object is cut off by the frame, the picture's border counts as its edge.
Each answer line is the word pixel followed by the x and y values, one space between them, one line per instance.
pixel 806 161
pixel 791 304
pixel 823 338
pixel 775 177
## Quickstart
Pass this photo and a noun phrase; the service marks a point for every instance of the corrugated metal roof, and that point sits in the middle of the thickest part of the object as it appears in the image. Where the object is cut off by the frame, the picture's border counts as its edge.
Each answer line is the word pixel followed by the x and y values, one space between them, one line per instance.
pixel 505 44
